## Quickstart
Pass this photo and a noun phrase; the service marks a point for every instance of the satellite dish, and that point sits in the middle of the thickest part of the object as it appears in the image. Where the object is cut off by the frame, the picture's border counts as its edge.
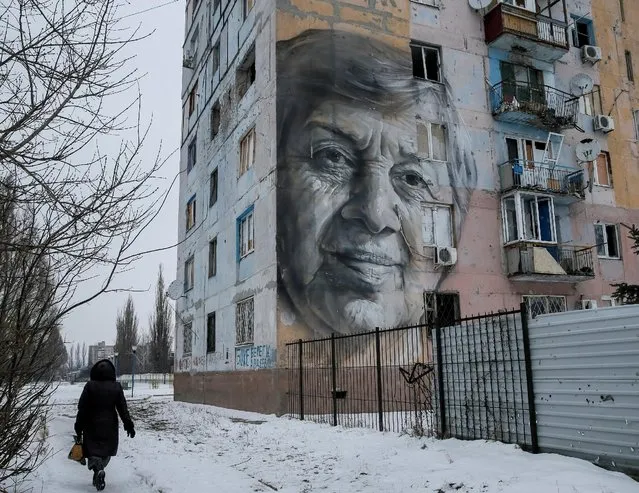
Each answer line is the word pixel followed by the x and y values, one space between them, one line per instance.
pixel 479 4
pixel 581 84
pixel 174 290
pixel 587 150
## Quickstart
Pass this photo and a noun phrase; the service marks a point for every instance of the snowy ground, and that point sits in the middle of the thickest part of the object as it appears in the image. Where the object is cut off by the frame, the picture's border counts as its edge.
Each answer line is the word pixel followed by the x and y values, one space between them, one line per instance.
pixel 184 447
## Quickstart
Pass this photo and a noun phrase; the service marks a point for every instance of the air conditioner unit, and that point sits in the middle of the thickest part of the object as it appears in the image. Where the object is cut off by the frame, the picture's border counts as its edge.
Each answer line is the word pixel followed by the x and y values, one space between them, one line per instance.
pixel 446 256
pixel 187 61
pixel 603 123
pixel 590 54
pixel 588 304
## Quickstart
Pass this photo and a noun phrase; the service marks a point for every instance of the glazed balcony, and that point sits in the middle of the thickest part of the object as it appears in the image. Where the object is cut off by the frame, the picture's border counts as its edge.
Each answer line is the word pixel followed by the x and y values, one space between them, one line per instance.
pixel 539 262
pixel 519 174
pixel 539 106
pixel 512 28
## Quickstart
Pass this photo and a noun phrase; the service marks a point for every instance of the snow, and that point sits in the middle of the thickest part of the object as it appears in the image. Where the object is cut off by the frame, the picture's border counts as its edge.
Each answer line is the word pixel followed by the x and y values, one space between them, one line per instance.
pixel 188 447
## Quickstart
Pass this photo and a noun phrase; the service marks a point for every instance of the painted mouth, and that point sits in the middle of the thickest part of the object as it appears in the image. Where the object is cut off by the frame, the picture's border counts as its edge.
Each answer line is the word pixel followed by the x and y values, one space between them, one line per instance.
pixel 363 257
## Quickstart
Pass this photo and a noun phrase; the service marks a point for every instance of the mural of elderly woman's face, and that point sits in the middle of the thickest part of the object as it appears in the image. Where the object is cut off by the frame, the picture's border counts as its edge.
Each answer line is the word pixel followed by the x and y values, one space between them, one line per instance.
pixel 350 193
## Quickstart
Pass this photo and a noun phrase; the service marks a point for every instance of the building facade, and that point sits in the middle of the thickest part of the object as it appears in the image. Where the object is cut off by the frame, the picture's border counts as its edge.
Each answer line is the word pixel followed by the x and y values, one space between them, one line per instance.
pixel 352 164
pixel 100 351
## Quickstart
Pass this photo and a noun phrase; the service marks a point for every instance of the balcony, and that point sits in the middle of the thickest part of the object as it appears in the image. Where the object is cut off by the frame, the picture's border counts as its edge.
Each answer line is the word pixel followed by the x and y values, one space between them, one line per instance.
pixel 537 262
pixel 539 106
pixel 511 28
pixel 542 177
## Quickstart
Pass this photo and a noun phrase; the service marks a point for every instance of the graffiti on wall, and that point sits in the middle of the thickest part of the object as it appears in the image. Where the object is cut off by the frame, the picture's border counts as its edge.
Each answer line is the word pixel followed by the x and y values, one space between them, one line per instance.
pixel 365 154
pixel 255 357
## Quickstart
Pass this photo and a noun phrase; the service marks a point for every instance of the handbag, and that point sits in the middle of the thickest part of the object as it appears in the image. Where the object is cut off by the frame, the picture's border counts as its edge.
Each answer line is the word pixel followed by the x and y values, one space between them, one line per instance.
pixel 76 453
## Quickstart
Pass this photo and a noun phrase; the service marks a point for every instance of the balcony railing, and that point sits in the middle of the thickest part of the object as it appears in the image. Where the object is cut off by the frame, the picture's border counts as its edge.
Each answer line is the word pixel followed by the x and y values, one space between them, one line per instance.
pixel 507 19
pixel 538 105
pixel 530 261
pixel 541 177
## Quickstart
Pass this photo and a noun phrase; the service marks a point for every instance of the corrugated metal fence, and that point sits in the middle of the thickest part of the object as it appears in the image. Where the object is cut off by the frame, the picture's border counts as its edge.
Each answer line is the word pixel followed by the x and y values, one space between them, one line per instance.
pixel 586 384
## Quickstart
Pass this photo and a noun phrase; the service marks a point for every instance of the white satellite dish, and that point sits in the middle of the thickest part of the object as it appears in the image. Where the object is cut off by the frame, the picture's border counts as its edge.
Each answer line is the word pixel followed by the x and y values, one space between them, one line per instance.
pixel 174 290
pixel 581 84
pixel 587 150
pixel 479 4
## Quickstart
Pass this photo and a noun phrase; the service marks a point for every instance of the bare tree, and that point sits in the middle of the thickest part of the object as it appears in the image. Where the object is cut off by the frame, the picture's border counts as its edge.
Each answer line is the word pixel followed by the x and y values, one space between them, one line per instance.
pixel 70 360
pixel 61 64
pixel 160 328
pixel 126 337
pixel 78 356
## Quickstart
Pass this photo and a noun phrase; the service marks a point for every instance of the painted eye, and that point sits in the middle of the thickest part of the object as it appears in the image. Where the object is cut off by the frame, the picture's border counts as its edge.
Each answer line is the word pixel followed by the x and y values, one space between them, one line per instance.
pixel 333 158
pixel 414 180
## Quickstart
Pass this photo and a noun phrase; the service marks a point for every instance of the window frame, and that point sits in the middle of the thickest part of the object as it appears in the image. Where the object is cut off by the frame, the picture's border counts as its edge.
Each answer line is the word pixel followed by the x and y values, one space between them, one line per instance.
pixel 249 136
pixel 606 255
pixel 630 73
pixel 547 298
pixel 595 169
pixel 215 58
pixel 422 47
pixel 191 154
pixel 213 187
pixel 247 7
pixel 211 334
pixel 592 105
pixel 519 198
pixel 248 218
pixel 189 274
pixel 590 25
pixel 635 116
pixel 187 335
pixel 244 335
pixel 191 213
pixel 429 135
pixel 193 98
pixel 212 267
pixel 433 208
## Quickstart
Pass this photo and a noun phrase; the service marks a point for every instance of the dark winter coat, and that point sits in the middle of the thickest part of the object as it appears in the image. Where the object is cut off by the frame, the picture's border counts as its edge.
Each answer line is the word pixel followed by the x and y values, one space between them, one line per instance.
pixel 97 420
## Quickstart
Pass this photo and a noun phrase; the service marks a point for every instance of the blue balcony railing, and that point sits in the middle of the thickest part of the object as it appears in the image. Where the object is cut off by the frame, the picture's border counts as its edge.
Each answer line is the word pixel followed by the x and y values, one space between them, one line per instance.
pixel 541 177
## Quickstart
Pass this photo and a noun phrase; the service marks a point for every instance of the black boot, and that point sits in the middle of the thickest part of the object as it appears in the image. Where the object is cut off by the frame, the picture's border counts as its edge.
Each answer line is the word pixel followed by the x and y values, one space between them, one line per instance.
pixel 95 475
pixel 99 481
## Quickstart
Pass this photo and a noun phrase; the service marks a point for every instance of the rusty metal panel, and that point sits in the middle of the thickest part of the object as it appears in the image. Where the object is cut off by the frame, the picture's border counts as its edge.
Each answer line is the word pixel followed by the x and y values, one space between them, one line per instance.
pixel 586 383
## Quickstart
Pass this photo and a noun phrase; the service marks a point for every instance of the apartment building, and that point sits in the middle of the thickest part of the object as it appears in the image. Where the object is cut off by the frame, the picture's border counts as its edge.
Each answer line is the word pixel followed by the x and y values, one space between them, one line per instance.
pixel 352 164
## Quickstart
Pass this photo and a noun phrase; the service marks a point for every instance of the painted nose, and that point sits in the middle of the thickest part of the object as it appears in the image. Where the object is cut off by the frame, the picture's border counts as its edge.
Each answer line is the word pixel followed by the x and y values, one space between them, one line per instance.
pixel 374 204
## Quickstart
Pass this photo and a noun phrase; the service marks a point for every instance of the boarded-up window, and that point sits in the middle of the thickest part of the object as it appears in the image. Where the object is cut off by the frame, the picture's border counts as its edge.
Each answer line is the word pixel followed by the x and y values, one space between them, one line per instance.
pixel 603 175
pixel 431 141
pixel 437 226
pixel 247 151
pixel 244 321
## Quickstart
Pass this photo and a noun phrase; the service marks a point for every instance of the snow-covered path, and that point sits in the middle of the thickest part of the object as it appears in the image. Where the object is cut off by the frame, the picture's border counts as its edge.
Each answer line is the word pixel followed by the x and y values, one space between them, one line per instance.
pixel 184 447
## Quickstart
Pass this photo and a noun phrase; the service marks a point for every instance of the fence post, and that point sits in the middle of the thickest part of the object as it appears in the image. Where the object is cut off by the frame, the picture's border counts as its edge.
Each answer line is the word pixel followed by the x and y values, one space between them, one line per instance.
pixel 532 412
pixel 300 361
pixel 380 404
pixel 334 378
pixel 440 382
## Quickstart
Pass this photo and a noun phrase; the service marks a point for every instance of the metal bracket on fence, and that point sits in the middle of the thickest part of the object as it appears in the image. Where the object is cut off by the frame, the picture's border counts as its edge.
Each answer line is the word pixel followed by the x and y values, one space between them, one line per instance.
pixel 414 376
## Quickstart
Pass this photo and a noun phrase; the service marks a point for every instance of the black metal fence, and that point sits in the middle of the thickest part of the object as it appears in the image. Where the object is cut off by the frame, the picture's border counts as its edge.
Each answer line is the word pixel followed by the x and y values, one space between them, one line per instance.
pixel 469 380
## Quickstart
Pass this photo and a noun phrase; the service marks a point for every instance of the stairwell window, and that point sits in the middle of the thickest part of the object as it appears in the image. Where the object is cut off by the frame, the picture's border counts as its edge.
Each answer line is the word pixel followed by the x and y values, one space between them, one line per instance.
pixel 607 241
pixel 431 141
pixel 190 213
pixel 191 155
pixel 210 333
pixel 187 338
pixel 245 234
pixel 247 151
pixel 602 171
pixel 189 274
pixel 244 321
pixel 426 62
pixel 629 70
pixel 213 257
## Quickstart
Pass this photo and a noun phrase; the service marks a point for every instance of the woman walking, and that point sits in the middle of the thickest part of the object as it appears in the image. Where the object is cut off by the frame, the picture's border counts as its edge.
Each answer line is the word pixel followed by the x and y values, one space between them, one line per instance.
pixel 97 419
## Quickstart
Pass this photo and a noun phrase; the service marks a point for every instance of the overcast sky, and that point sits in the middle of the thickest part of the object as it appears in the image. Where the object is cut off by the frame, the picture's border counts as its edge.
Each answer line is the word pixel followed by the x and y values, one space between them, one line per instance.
pixel 160 58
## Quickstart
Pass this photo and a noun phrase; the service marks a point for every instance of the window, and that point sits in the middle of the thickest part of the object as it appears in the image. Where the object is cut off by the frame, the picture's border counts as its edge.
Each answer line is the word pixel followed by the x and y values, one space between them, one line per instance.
pixel 213 188
pixel 215 119
pixel 210 332
pixel 602 170
pixel 607 240
pixel 629 70
pixel 191 155
pixel 431 141
pixel 244 321
pixel 245 233
pixel 247 151
pixel 189 274
pixel 437 226
pixel 248 6
pixel 441 309
pixel 426 62
pixel 607 300
pixel 635 115
pixel 583 33
pixel 529 217
pixel 195 37
pixel 215 58
pixel 246 74
pixel 213 257
pixel 187 338
pixel 192 99
pixel 541 305
pixel 526 84
pixel 590 104
pixel 190 213
pixel 622 13
pixel 524 4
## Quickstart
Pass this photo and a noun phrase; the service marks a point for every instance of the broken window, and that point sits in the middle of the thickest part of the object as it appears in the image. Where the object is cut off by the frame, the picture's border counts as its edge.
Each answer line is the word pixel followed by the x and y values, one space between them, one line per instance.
pixel 529 217
pixel 215 119
pixel 248 6
pixel 246 233
pixel 511 229
pixel 213 257
pixel 246 74
pixel 437 228
pixel 441 309
pixel 193 98
pixel 210 332
pixel 247 151
pixel 607 240
pixel 590 104
pixel 215 58
pixel 244 321
pixel 583 32
pixel 190 213
pixel 426 62
pixel 213 188
pixel 431 141
pixel 191 155
pixel 189 274
pixel 602 171
pixel 187 338
pixel 629 70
